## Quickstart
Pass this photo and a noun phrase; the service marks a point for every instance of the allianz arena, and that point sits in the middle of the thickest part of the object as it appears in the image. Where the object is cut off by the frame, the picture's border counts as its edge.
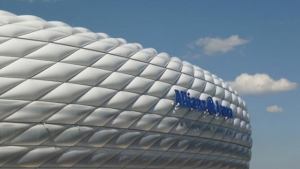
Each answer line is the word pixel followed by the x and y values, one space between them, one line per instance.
pixel 71 98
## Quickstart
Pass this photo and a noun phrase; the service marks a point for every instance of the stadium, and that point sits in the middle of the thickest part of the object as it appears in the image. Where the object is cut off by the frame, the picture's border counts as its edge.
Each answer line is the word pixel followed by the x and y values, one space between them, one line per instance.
pixel 71 98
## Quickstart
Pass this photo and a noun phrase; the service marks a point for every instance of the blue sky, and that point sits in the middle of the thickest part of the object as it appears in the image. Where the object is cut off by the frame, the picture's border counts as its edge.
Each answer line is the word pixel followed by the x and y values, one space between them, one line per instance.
pixel 237 40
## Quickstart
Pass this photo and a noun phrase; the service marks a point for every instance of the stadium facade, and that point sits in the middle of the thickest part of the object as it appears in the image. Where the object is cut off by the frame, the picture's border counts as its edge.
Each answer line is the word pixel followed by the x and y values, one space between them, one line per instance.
pixel 71 98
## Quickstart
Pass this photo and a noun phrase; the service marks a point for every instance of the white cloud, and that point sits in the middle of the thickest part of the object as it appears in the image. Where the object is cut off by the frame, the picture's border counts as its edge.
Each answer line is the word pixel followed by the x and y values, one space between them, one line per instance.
pixel 260 84
pixel 215 45
pixel 191 56
pixel 274 109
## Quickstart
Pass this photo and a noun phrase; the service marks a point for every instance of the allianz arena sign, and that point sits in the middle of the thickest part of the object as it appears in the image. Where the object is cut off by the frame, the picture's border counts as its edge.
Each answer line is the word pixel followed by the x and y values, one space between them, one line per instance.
pixel 72 98
pixel 183 99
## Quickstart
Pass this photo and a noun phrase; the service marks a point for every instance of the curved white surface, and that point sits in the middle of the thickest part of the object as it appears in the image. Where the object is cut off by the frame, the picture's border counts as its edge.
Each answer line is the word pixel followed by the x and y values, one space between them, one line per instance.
pixel 71 98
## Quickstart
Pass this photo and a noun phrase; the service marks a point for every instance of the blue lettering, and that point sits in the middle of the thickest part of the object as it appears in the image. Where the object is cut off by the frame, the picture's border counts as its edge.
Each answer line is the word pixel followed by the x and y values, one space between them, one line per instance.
pixel 177 99
pixel 200 105
pixel 193 103
pixel 210 106
pixel 218 108
pixel 224 111
pixel 230 115
pixel 183 99
pixel 189 100
pixel 203 105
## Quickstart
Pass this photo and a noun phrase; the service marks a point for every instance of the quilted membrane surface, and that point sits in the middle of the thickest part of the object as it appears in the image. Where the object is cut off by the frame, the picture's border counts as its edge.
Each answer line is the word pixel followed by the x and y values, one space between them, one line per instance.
pixel 71 98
